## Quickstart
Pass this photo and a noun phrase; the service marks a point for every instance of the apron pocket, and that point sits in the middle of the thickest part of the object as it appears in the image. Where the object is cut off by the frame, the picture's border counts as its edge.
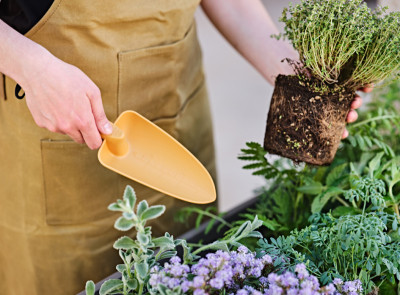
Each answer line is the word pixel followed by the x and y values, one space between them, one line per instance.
pixel 77 188
pixel 156 81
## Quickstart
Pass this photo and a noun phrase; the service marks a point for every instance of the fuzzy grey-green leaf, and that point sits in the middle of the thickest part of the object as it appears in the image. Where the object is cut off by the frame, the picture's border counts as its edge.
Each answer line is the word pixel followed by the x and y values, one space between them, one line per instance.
pixel 114 207
pixel 142 269
pixel 142 206
pixel 125 243
pixel 90 288
pixel 123 224
pixel 143 238
pixel 153 212
pixel 111 286
pixel 130 195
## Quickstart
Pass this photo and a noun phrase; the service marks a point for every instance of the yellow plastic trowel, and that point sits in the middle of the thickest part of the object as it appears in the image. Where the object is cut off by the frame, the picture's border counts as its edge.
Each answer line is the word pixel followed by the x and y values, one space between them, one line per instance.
pixel 142 151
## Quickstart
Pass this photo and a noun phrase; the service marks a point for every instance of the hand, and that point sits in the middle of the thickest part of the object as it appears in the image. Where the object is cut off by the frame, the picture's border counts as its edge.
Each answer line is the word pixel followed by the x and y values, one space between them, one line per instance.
pixel 62 99
pixel 357 102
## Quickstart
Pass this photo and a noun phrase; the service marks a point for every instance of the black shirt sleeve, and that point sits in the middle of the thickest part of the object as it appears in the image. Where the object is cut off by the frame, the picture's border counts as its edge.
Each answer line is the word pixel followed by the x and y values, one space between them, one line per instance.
pixel 22 15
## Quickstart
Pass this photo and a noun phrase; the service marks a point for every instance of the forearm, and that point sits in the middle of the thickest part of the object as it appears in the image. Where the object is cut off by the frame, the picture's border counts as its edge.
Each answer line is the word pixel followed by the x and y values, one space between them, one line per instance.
pixel 248 27
pixel 19 56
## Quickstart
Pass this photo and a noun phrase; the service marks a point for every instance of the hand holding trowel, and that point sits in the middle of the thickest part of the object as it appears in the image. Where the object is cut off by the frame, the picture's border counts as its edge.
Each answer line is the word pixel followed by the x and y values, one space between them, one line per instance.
pixel 143 152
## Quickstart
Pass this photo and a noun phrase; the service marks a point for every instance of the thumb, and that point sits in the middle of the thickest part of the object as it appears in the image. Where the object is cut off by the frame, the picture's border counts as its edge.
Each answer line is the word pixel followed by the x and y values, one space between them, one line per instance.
pixel 102 123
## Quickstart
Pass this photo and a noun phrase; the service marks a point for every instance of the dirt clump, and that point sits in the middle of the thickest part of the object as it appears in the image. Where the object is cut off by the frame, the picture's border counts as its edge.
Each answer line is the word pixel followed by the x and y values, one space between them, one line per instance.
pixel 303 124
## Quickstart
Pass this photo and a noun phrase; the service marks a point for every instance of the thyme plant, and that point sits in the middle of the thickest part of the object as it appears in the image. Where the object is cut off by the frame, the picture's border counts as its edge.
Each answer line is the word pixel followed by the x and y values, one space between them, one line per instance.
pixel 342 42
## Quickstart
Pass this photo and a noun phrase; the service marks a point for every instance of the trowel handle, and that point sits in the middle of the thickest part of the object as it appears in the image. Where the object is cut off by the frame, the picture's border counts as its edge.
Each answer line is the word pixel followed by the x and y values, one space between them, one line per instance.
pixel 116 141
pixel 116 133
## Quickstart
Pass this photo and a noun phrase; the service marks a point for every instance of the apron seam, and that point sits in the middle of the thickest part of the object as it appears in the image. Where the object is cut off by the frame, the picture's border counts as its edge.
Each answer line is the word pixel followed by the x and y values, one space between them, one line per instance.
pixel 39 26
pixel 187 101
pixel 44 199
pixel 3 86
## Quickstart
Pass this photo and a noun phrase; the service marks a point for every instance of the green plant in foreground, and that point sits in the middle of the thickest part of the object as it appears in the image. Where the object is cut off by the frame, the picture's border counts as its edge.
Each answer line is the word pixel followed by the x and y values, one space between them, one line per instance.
pixel 342 42
pixel 362 245
pixel 145 252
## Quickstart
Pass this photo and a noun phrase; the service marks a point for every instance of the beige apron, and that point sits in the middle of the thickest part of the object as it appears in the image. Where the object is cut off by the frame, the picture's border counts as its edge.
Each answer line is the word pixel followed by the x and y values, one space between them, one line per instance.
pixel 55 230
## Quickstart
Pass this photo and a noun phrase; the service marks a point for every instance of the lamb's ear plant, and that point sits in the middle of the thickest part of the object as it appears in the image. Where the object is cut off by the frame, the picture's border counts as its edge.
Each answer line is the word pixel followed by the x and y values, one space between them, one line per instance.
pixel 140 255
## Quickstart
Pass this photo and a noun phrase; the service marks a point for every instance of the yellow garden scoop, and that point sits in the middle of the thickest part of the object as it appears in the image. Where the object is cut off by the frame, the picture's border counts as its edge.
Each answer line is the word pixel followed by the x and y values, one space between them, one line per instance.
pixel 142 151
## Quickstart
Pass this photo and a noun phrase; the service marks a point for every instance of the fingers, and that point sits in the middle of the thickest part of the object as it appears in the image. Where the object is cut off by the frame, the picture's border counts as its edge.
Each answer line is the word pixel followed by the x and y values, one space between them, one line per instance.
pixel 352 116
pixel 90 134
pixel 77 137
pixel 368 88
pixel 357 102
pixel 102 123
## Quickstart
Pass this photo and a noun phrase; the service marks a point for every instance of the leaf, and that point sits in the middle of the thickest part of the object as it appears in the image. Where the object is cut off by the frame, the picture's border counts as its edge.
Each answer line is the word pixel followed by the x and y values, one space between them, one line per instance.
pixel 153 212
pixel 90 288
pixel 124 243
pixel 111 286
pixel 130 196
pixel 313 188
pixel 142 238
pixel 320 201
pixel 143 205
pixel 132 284
pixel 378 269
pixel 335 174
pixel 164 242
pixel 142 269
pixel 166 255
pixel 114 207
pixel 219 246
pixel 375 163
pixel 120 267
pixel 124 224
pixel 343 210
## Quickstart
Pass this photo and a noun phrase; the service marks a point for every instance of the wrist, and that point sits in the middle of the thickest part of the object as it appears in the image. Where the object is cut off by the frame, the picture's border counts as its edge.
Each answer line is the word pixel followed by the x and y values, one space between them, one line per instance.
pixel 31 66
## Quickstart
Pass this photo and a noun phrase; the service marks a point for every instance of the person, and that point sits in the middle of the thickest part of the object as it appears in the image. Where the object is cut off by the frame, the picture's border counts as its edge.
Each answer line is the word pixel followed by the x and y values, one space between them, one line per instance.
pixel 71 66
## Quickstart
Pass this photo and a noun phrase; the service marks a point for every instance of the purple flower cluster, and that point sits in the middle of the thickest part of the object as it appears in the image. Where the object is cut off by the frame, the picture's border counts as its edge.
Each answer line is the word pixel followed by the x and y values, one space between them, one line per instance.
pixel 302 283
pixel 348 288
pixel 241 273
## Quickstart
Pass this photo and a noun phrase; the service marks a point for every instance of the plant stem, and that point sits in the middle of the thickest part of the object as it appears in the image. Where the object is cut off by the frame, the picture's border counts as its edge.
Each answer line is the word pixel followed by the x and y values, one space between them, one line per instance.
pixel 342 201
pixel 375 119
pixel 141 286
pixel 213 216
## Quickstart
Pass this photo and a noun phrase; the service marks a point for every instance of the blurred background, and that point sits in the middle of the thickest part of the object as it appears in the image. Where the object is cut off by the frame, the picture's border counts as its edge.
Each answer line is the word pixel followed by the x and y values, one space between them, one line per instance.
pixel 239 100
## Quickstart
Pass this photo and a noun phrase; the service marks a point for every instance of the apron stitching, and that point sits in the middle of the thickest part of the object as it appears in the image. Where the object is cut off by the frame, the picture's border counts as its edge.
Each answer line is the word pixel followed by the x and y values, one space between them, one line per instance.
pixel 44 183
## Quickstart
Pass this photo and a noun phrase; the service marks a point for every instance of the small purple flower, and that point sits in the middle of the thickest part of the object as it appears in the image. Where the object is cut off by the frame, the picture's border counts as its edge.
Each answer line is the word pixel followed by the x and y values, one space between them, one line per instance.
pixel 301 271
pixel 242 292
pixel 337 281
pixel 217 283
pixel 273 278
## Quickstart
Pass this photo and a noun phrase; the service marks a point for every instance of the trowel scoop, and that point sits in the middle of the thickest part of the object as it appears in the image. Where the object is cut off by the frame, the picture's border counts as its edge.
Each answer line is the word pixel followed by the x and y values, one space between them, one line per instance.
pixel 140 150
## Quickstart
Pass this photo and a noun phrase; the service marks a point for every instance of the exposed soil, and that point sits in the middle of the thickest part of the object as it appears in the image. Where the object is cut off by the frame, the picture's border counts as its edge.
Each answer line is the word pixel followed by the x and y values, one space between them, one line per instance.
pixel 305 125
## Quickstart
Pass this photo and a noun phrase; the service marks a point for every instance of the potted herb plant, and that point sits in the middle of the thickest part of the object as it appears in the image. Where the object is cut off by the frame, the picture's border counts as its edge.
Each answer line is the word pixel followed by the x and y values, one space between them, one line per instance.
pixel 342 46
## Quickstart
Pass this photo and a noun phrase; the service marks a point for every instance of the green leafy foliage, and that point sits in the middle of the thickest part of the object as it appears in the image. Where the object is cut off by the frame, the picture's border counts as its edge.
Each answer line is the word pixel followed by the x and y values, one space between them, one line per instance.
pixel 352 206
